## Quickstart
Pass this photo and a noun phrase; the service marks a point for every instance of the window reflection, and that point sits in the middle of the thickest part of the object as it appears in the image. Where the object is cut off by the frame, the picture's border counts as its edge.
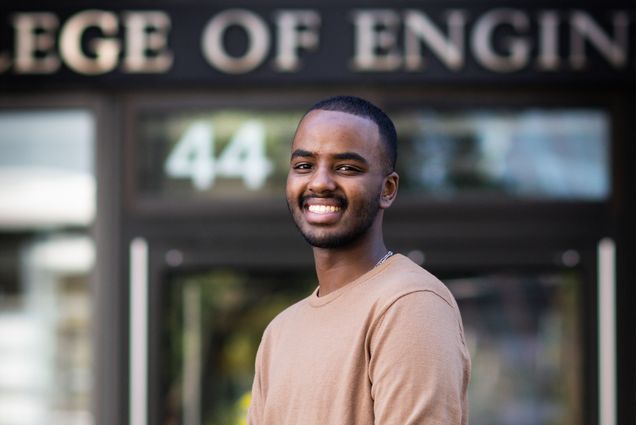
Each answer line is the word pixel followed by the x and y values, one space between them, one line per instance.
pixel 212 323
pixel 523 332
pixel 46 169
pixel 234 153
pixel 215 154
pixel 47 199
pixel 532 153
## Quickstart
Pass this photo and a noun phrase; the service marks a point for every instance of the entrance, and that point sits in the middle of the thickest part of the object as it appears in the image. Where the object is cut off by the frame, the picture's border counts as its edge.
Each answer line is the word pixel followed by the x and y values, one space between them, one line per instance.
pixel 524 325
pixel 506 205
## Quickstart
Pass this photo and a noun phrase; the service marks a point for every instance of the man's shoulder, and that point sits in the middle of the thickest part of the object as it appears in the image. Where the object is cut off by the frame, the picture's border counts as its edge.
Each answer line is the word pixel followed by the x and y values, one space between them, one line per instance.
pixel 402 277
pixel 290 313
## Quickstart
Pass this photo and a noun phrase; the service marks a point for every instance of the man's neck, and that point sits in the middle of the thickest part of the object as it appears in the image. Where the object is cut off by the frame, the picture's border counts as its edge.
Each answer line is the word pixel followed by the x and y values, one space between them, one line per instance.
pixel 336 268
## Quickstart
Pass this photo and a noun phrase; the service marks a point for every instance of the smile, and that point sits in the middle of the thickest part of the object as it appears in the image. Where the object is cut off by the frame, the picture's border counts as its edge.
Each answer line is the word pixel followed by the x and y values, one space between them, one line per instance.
pixel 323 209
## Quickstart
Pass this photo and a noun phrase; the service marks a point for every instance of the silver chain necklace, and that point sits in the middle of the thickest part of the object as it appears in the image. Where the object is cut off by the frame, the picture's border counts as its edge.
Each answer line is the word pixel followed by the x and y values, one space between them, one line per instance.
pixel 383 259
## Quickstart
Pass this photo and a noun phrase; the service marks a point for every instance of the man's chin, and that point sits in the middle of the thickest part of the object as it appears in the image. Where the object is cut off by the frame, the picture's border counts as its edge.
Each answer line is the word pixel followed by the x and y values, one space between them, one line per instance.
pixel 325 243
pixel 330 241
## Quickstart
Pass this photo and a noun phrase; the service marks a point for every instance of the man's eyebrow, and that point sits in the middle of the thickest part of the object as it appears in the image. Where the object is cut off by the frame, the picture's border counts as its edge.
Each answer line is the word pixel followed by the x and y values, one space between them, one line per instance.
pixel 343 156
pixel 350 156
pixel 302 154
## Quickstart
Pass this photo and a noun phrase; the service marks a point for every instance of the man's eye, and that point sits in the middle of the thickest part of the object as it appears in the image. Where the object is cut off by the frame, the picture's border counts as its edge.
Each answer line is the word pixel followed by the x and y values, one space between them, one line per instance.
pixel 348 169
pixel 302 166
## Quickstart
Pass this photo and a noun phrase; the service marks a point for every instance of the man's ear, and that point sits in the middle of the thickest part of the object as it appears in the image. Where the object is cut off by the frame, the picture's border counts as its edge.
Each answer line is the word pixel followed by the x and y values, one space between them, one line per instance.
pixel 389 190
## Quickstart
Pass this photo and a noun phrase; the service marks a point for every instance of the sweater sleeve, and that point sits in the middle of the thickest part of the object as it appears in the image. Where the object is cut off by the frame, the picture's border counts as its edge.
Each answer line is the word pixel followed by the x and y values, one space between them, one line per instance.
pixel 255 411
pixel 419 365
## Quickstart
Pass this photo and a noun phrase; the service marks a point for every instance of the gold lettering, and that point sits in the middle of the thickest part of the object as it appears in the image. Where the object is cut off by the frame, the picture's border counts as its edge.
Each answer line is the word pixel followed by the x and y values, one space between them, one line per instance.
pixel 583 28
pixel 419 27
pixel 376 40
pixel 105 51
pixel 257 36
pixel 34 43
pixel 146 42
pixel 296 29
pixel 518 48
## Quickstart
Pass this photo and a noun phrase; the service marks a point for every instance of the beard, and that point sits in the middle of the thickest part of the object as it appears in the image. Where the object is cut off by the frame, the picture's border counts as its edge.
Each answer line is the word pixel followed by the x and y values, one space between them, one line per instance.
pixel 351 229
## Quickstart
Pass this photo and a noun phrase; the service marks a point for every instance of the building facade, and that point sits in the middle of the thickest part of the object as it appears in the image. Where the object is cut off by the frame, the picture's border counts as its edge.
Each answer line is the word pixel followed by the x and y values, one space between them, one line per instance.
pixel 144 238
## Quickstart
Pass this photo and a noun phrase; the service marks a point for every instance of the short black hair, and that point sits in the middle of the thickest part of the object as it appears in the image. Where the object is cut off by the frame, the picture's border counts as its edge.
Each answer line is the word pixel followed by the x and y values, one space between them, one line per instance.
pixel 363 108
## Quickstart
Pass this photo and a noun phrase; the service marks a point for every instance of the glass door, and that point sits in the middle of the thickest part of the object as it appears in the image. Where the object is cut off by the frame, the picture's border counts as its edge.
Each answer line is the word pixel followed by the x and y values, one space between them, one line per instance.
pixel 525 335
pixel 524 326
pixel 205 323
pixel 210 327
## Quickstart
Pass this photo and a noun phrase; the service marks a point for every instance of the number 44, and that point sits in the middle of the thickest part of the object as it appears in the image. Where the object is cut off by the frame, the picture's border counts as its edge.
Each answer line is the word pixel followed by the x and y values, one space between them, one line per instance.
pixel 244 157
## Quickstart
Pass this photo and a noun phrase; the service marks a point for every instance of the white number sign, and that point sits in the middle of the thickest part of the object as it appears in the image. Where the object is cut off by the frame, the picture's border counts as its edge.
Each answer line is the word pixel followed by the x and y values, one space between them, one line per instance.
pixel 244 156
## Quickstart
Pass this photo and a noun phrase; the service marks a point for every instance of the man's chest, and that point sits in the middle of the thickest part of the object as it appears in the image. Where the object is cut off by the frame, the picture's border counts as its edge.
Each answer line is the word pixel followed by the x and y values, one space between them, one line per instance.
pixel 315 368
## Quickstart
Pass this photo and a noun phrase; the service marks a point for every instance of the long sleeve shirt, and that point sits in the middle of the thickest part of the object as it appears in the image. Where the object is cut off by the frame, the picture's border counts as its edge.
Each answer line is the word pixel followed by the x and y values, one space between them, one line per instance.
pixel 387 348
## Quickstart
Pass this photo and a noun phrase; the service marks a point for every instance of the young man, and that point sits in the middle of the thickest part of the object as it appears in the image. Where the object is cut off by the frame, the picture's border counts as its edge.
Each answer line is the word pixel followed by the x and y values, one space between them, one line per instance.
pixel 380 341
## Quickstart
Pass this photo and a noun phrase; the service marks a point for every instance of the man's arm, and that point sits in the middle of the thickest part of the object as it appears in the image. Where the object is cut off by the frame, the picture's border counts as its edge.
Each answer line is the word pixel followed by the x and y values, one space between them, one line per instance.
pixel 419 366
pixel 255 412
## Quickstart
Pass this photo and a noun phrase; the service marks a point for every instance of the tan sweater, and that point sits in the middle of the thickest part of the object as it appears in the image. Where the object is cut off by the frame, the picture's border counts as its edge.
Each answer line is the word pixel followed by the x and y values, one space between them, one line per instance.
pixel 388 348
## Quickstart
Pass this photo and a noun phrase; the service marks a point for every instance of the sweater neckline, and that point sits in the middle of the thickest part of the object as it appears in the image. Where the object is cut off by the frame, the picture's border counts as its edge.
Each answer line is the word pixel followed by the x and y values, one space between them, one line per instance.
pixel 319 301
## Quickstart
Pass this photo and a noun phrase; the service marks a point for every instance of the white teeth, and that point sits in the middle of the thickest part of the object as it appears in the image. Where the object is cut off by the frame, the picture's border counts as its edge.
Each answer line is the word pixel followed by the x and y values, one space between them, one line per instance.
pixel 323 209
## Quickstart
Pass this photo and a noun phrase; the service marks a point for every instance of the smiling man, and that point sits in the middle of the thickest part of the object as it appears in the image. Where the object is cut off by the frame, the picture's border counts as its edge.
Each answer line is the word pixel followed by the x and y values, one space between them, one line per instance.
pixel 380 341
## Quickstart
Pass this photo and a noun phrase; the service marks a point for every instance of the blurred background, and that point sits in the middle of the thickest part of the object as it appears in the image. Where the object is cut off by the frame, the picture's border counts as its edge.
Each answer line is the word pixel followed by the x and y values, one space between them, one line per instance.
pixel 144 238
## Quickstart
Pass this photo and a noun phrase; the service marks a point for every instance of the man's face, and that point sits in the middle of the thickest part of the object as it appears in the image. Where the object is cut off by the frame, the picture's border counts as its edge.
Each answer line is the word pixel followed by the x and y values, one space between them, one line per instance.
pixel 336 177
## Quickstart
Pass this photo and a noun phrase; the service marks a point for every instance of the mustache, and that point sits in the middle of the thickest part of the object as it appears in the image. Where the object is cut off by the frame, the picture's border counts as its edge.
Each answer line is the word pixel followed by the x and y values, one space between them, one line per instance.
pixel 342 202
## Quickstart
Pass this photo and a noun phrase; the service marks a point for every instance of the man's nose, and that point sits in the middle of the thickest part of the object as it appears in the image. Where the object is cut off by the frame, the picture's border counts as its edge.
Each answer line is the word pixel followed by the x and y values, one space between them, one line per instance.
pixel 322 181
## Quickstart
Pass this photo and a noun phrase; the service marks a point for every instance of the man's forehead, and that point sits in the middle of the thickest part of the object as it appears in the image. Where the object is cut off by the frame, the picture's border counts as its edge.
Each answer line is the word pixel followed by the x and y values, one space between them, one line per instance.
pixel 319 123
